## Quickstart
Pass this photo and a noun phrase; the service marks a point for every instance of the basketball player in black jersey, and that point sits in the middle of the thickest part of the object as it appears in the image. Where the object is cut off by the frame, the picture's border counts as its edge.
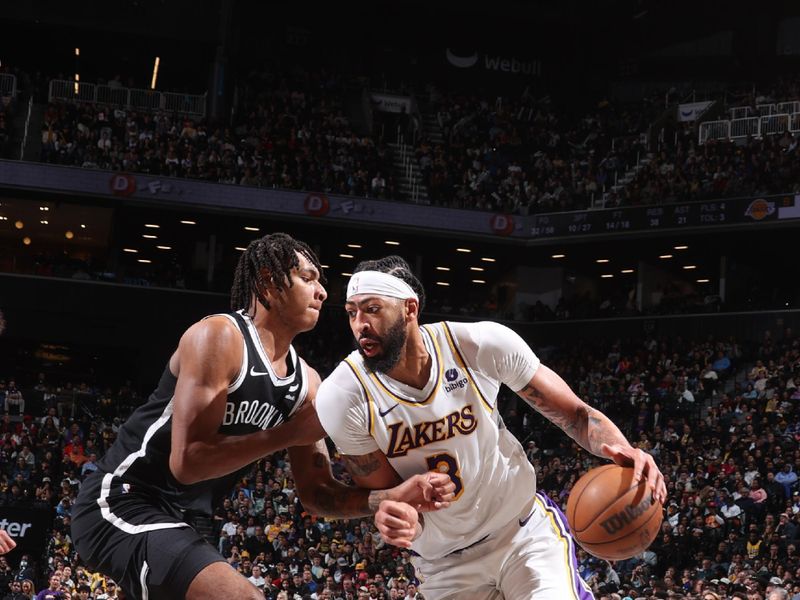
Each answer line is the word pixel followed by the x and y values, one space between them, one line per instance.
pixel 234 391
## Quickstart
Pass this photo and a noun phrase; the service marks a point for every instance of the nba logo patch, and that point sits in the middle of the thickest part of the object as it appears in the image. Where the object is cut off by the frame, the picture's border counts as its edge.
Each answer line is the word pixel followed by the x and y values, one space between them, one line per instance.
pixel 451 374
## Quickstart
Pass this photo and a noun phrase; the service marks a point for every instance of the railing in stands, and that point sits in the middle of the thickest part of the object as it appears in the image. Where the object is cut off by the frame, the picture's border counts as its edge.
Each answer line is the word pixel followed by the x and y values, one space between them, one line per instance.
pixel 767 123
pixel 24 141
pixel 148 100
pixel 8 85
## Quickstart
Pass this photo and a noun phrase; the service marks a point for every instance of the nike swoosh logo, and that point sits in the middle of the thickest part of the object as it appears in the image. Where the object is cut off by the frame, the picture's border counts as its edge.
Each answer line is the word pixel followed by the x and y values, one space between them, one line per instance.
pixel 254 373
pixel 383 413
pixel 293 388
pixel 523 522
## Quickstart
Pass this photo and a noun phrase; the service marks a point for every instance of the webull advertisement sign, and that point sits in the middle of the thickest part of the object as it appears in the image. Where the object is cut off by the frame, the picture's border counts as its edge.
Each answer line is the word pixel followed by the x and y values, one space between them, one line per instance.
pixel 492 63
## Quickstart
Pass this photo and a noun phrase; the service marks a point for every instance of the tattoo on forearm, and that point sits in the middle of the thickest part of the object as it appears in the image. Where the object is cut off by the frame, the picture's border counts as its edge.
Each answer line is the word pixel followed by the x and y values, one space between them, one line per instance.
pixel 590 428
pixel 375 499
pixel 361 466
pixel 320 461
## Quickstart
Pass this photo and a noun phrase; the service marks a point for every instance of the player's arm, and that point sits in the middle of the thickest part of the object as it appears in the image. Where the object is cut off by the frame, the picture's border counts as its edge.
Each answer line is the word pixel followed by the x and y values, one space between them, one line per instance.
pixel 376 479
pixel 550 395
pixel 209 358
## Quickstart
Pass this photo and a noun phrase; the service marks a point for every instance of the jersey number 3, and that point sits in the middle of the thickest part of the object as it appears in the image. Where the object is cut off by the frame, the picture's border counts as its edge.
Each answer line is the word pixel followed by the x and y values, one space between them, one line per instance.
pixel 446 463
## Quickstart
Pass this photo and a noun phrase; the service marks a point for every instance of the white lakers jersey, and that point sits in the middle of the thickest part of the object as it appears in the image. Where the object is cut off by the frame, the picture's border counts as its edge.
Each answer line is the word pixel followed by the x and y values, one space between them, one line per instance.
pixel 451 425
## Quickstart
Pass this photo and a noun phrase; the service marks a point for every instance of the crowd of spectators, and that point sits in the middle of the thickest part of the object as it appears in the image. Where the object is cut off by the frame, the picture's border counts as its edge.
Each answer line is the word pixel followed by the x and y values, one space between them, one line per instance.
pixel 522 154
pixel 290 131
pixel 517 153
pixel 687 170
pixel 719 416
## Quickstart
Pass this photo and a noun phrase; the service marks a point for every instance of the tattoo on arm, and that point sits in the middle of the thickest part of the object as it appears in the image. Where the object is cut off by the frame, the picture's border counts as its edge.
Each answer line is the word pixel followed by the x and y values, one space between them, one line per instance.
pixel 361 466
pixel 587 426
pixel 335 499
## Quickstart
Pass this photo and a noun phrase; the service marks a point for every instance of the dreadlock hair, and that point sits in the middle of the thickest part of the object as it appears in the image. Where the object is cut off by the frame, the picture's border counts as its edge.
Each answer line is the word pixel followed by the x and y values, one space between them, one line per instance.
pixel 397 266
pixel 275 253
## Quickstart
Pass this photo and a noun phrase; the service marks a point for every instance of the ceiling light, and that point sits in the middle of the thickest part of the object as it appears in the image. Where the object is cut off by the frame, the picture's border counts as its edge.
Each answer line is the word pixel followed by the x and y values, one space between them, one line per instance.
pixel 188 222
pixel 607 276
pixel 626 271
pixel 240 249
pixel 681 247
pixel 703 280
pixel 164 247
pixel 480 269
pixel 43 222
pixel 354 245
pixel 487 259
pixel 689 267
pixel 83 226
pixel 443 283
pixel 464 250
pixel 69 235
pixel 152 226
pixel 252 229
pixel 131 250
pixel 391 243
pixel 442 268
pixel 144 261
pixel 2 218
pixel 478 281
pixel 26 240
pixel 558 256
pixel 44 208
pixel 345 256
pixel 602 260
pixel 347 274
pixel 665 256
pixel 149 237
pixel 19 224
pixel 325 266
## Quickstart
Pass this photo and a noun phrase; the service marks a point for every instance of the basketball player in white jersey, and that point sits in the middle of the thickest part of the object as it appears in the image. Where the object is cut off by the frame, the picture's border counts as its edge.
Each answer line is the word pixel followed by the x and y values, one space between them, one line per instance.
pixel 419 398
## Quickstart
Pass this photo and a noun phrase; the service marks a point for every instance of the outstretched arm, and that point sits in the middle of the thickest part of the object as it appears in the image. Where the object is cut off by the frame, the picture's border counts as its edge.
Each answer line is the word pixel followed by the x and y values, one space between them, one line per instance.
pixel 550 395
pixel 376 479
pixel 323 495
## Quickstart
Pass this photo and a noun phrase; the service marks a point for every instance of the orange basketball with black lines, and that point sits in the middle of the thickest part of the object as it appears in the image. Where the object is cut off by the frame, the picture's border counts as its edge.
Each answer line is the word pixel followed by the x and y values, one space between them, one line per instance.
pixel 609 516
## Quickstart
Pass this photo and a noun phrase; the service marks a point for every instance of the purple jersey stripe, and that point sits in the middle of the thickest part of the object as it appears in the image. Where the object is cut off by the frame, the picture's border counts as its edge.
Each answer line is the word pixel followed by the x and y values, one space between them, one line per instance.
pixel 581 588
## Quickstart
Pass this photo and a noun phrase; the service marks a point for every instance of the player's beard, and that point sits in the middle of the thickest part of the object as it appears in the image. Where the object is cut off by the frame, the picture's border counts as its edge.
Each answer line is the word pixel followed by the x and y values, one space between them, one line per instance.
pixel 392 345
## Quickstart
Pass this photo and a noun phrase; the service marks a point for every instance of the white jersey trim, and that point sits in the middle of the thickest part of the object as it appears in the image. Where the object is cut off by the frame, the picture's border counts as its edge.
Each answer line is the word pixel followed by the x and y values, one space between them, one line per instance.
pixel 143 580
pixel 236 383
pixel 276 379
pixel 105 486
pixel 301 397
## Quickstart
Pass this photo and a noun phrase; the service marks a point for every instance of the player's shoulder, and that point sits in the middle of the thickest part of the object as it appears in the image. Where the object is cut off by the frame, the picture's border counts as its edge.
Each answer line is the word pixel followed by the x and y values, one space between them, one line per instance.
pixel 216 333
pixel 474 332
pixel 345 377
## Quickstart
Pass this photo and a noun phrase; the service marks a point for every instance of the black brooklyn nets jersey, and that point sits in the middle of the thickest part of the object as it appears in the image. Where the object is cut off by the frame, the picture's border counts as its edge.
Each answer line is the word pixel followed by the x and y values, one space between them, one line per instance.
pixel 137 465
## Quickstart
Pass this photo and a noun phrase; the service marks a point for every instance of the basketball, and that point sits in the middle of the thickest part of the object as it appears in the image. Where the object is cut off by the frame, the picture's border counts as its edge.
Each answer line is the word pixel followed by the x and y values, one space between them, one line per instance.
pixel 609 516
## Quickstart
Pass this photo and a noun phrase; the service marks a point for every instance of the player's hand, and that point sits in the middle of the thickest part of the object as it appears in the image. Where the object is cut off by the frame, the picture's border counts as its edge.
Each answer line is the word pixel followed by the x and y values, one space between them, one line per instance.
pixel 397 522
pixel 643 466
pixel 426 492
pixel 6 543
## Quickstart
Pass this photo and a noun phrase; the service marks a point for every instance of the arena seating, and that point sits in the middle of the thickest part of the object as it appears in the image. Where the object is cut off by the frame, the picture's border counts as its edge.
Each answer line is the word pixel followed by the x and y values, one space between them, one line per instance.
pixel 719 416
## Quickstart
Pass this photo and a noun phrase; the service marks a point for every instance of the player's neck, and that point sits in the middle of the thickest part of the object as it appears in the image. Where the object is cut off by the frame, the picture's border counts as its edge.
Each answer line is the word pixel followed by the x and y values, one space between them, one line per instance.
pixel 414 366
pixel 276 338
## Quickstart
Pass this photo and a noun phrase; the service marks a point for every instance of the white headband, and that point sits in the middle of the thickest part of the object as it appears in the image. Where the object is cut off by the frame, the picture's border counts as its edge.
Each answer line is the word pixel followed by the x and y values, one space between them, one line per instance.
pixel 379 284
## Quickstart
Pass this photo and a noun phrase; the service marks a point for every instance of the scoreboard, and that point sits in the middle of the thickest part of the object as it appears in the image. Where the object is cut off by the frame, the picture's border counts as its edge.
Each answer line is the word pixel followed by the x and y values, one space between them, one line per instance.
pixel 660 217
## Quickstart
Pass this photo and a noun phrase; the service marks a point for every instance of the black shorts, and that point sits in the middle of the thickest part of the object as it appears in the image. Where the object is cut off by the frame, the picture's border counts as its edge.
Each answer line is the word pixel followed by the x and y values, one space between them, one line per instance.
pixel 148 552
